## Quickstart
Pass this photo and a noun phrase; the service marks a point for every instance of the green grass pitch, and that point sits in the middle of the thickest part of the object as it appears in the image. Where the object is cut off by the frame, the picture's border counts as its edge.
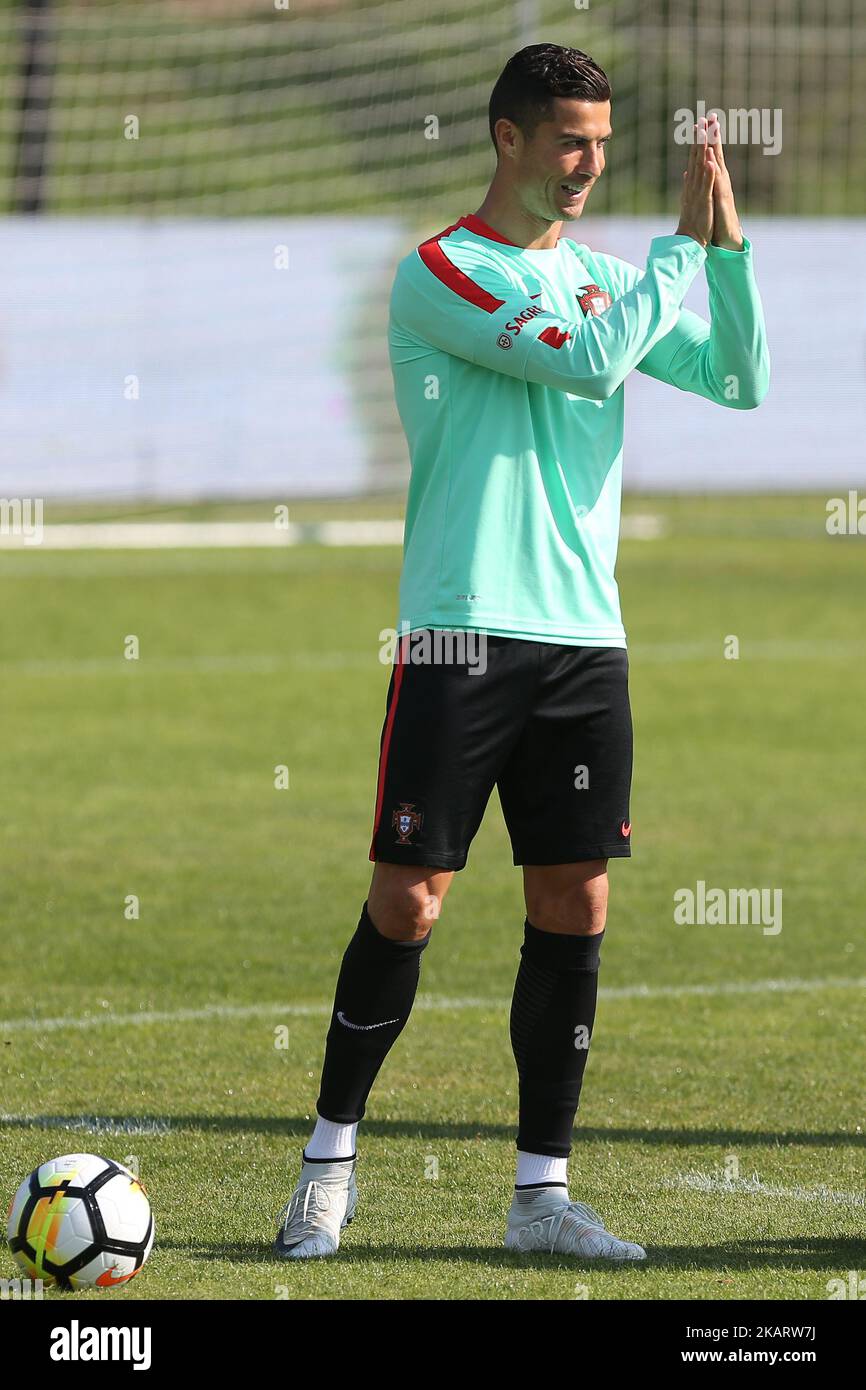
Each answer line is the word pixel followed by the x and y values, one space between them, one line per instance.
pixel 722 1121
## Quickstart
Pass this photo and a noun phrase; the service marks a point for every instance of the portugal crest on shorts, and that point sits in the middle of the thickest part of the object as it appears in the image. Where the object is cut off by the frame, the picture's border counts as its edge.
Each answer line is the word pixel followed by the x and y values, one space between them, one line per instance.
pixel 593 299
pixel 406 820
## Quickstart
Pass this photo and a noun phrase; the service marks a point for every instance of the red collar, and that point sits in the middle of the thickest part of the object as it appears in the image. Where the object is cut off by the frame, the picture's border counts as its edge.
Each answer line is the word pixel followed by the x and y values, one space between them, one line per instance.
pixel 474 224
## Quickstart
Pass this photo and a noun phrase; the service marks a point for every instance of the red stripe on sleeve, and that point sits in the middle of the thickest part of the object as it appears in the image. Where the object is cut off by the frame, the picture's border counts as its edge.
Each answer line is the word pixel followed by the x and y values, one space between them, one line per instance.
pixel 438 263
pixel 554 337
pixel 474 224
pixel 399 668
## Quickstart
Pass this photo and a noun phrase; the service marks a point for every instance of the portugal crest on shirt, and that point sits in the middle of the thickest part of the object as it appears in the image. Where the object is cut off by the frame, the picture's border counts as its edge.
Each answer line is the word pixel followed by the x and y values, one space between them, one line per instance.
pixel 406 820
pixel 593 299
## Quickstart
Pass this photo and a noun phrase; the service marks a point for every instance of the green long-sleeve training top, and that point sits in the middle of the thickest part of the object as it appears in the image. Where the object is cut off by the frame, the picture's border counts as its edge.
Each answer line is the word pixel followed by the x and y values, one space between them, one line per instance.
pixel 508 369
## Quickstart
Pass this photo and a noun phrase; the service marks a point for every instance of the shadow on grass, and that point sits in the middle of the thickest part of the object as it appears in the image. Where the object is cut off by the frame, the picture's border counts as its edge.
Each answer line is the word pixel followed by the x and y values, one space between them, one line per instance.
pixel 787 1253
pixel 296 1127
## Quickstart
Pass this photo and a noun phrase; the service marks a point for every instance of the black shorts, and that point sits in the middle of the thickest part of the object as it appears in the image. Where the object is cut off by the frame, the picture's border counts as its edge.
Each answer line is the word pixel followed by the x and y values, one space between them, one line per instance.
pixel 548 725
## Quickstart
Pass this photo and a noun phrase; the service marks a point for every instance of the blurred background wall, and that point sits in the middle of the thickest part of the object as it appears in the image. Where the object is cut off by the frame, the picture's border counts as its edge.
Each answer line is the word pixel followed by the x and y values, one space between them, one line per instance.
pixel 202 203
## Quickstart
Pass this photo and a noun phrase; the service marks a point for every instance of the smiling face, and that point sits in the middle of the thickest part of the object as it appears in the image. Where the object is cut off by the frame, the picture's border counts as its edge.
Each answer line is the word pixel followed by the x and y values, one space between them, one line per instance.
pixel 552 171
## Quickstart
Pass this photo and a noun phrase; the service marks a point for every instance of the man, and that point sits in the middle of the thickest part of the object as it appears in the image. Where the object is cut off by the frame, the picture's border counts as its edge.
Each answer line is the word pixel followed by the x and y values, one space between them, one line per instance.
pixel 510 344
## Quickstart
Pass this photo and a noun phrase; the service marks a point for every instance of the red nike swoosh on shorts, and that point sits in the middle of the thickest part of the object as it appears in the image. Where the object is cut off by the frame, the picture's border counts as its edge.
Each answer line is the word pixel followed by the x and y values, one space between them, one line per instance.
pixel 626 829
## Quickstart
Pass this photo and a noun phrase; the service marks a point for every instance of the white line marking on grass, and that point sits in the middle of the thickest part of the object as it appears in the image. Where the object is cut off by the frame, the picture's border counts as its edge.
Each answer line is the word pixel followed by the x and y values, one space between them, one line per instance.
pixel 202 1015
pixel 187 535
pixel 642 526
pixel 90 1124
pixel 770 650
pixel 196 564
pixel 258 664
pixel 432 1002
pixel 791 986
pixel 269 663
pixel 711 1183
pixel 249 535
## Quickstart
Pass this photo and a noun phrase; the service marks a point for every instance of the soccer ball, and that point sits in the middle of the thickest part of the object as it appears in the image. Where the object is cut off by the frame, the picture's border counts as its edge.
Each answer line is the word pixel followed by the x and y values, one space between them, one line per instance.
pixel 80 1221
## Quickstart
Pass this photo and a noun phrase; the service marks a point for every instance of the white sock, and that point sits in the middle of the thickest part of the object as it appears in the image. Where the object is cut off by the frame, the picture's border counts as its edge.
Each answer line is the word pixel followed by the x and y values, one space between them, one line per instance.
pixel 330 1140
pixel 540 1168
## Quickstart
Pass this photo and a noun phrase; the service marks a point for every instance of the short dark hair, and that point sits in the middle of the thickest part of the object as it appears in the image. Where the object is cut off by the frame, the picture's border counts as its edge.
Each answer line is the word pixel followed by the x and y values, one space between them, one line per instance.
pixel 529 82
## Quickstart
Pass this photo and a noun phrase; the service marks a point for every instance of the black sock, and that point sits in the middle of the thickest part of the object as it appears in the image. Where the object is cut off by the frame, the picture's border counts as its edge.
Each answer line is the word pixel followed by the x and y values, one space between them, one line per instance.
pixel 552 1014
pixel 375 992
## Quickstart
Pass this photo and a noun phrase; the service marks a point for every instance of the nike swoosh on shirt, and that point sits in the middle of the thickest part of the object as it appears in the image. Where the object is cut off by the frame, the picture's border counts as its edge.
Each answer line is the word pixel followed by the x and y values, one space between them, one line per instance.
pixel 363 1027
